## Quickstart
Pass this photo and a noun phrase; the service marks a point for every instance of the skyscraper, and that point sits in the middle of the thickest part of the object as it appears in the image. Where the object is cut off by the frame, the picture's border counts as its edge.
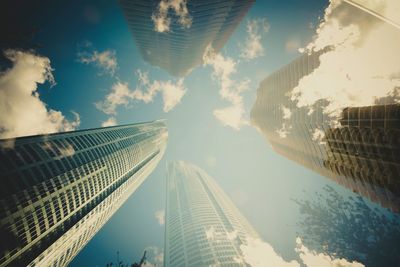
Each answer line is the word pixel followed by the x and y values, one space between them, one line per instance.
pixel 359 152
pixel 59 189
pixel 366 150
pixel 203 226
pixel 181 47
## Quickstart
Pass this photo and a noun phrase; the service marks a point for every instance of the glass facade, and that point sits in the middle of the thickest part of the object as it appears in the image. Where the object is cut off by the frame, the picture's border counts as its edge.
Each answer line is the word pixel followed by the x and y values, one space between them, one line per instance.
pixel 182 49
pixel 59 189
pixel 203 226
pixel 360 152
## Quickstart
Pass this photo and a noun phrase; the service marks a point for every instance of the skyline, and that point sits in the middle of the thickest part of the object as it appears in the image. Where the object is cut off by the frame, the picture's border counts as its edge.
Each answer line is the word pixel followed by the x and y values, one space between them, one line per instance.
pixel 77 66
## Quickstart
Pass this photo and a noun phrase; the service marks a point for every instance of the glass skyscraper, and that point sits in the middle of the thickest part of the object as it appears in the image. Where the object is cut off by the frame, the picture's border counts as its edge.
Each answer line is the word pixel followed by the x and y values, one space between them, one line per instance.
pixel 59 189
pixel 181 48
pixel 359 152
pixel 203 226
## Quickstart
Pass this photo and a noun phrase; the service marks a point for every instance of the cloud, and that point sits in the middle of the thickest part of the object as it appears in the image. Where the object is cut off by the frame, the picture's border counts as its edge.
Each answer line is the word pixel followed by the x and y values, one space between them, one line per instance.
pixel 318 136
pixel 252 47
pixel 232 235
pixel 154 257
pixel 388 15
pixel 67 151
pixel 105 60
pixel 160 17
pixel 285 128
pixel 313 259
pixel 21 110
pixel 60 152
pixel 146 90
pixel 230 90
pixel 109 122
pixel 160 216
pixel 286 112
pixel 259 254
pixel 361 64
pixel 210 233
pixel 256 253
pixel 119 95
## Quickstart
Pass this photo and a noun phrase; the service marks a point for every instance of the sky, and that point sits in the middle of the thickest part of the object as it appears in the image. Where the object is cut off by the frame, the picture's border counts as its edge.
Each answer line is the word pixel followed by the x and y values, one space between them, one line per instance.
pixel 89 51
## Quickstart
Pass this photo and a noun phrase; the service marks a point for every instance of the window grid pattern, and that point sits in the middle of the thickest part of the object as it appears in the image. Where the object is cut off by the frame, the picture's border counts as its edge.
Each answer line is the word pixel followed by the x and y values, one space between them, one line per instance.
pixel 182 49
pixel 54 182
pixel 359 153
pixel 203 227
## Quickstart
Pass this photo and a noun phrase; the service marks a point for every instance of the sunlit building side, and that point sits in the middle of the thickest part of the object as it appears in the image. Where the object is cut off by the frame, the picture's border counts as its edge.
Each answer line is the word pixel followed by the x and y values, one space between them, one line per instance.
pixel 181 48
pixel 203 226
pixel 308 137
pixel 59 189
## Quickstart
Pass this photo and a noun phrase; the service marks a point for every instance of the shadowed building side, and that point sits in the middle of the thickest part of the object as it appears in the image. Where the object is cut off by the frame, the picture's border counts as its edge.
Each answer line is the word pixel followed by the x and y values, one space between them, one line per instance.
pixel 182 48
pixel 58 190
pixel 203 226
pixel 366 150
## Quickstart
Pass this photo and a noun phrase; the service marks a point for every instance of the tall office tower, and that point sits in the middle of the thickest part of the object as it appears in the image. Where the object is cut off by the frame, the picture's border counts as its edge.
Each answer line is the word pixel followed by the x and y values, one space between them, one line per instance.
pixel 295 133
pixel 59 189
pixel 181 48
pixel 203 226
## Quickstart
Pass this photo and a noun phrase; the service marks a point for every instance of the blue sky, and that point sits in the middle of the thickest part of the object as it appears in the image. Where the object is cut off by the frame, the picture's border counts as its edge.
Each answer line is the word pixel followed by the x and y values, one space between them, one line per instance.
pixel 260 182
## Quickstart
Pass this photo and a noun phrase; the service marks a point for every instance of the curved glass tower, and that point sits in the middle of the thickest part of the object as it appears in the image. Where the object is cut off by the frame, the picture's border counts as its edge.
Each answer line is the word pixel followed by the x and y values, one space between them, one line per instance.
pixel 182 48
pixel 59 189
pixel 203 226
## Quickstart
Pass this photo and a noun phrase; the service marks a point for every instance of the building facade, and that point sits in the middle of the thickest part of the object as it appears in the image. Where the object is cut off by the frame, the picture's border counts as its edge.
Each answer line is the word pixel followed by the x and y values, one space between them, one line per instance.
pixel 203 226
pixel 59 189
pixel 359 151
pixel 181 48
pixel 364 152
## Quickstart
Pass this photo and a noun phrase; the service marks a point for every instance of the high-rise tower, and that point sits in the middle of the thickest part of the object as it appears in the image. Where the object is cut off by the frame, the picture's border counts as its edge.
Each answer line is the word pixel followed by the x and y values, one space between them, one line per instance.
pixel 359 151
pixel 59 189
pixel 203 226
pixel 181 47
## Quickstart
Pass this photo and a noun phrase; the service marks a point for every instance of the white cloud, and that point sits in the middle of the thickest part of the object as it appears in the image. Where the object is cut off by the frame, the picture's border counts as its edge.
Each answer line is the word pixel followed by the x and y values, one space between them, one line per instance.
pixel 258 253
pixel 377 8
pixel 253 47
pixel 232 235
pixel 160 216
pixel 21 110
pixel 210 233
pixel 286 112
pixel 109 122
pixel 313 259
pixel 67 151
pixel 261 254
pixel 119 95
pixel 284 130
pixel 318 136
pixel 146 90
pixel 361 64
pixel 155 257
pixel 61 152
pixel 106 60
pixel 231 90
pixel 161 20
